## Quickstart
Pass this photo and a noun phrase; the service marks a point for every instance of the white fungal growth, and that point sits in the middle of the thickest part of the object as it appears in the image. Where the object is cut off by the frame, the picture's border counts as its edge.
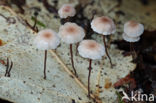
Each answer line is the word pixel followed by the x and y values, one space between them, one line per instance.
pixel 103 25
pixel 71 33
pixel 46 39
pixel 91 49
pixel 133 29
pixel 67 10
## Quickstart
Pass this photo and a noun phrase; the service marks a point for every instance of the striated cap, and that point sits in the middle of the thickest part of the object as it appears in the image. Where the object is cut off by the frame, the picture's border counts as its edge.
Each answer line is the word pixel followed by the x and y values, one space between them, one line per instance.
pixel 133 29
pixel 130 39
pixel 71 33
pixel 67 10
pixel 91 49
pixel 46 39
pixel 103 25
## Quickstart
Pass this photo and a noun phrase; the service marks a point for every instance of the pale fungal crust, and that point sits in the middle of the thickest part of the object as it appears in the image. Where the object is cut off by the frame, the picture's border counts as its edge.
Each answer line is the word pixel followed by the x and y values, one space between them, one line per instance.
pixel 28 67
pixel 130 39
pixel 133 29
pixel 71 33
pixel 46 39
pixel 67 10
pixel 103 25
pixel 91 49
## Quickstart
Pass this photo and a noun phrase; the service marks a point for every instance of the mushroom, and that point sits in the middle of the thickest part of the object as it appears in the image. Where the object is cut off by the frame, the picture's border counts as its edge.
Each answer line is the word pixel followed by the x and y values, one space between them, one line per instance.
pixel 105 26
pixel 66 11
pixel 71 33
pixel 133 28
pixel 92 50
pixel 45 40
pixel 132 32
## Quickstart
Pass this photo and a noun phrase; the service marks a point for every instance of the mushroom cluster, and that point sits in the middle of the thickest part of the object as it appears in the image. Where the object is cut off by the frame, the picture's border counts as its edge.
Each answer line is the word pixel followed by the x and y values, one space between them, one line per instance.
pixel 132 32
pixel 71 33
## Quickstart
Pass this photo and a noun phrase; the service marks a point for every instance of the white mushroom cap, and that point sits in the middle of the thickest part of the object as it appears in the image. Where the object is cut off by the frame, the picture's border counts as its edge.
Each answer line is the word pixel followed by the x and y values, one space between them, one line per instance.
pixel 71 33
pixel 91 49
pixel 103 25
pixel 133 29
pixel 67 10
pixel 130 39
pixel 46 39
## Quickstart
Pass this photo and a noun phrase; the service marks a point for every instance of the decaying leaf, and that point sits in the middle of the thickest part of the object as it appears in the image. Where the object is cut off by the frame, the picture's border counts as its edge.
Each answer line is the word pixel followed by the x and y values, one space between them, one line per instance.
pixel 26 84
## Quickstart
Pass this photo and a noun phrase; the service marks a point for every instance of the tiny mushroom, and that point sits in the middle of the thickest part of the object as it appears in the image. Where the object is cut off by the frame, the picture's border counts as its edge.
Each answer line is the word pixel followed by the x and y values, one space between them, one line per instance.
pixel 91 50
pixel 133 29
pixel 71 33
pixel 105 26
pixel 66 11
pixel 45 40
pixel 132 32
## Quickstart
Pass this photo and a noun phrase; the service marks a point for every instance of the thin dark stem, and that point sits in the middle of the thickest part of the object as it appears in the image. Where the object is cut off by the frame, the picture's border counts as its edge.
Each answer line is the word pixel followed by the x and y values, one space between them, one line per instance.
pixel 77 48
pixel 90 68
pixel 72 61
pixel 104 41
pixel 67 19
pixel 35 22
pixel 132 50
pixel 45 63
pixel 7 67
pixel 3 16
pixel 10 69
pixel 8 19
pixel 27 23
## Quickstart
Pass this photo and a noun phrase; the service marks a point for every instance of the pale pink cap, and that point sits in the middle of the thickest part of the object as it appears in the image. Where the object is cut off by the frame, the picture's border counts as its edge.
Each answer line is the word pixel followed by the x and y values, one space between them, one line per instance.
pixel 71 33
pixel 103 25
pixel 46 39
pixel 130 39
pixel 91 49
pixel 67 10
pixel 133 29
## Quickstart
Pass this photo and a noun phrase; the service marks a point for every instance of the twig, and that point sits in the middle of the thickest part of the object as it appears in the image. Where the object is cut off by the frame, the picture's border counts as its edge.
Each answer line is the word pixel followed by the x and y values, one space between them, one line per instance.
pixel 10 69
pixel 7 67
pixel 98 79
pixel 9 19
